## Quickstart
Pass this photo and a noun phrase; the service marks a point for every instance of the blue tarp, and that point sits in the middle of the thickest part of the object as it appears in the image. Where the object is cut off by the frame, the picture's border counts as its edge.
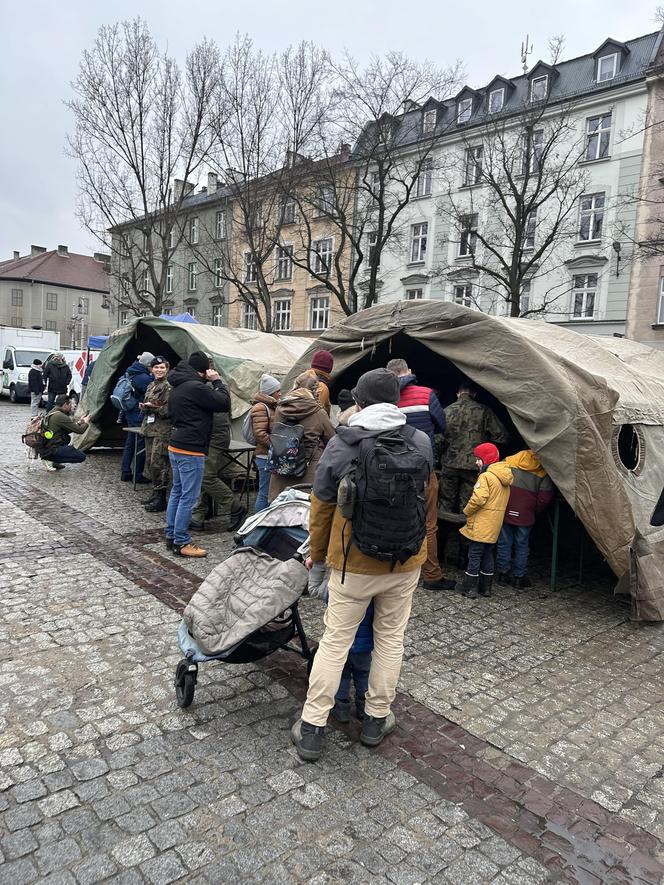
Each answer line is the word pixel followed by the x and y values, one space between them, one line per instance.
pixel 180 318
pixel 96 342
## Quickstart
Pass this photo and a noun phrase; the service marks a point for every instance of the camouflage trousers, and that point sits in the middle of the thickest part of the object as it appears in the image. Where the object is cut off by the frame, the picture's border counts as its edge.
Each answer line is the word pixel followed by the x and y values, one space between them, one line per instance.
pixel 215 488
pixel 456 487
pixel 159 467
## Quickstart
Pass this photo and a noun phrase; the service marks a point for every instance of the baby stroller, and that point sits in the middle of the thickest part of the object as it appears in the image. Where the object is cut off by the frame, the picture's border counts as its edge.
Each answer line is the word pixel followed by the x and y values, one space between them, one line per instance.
pixel 247 607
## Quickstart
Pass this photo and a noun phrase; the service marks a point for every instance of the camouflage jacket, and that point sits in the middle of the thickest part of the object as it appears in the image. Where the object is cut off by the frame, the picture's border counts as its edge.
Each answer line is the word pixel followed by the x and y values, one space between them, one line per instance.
pixel 469 423
pixel 159 428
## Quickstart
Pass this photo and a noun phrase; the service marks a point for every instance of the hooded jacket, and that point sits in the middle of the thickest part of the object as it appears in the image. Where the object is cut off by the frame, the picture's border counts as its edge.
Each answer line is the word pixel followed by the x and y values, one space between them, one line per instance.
pixel 35 380
pixel 485 511
pixel 192 403
pixel 329 531
pixel 421 407
pixel 58 375
pixel 61 425
pixel 262 417
pixel 323 379
pixel 140 378
pixel 531 491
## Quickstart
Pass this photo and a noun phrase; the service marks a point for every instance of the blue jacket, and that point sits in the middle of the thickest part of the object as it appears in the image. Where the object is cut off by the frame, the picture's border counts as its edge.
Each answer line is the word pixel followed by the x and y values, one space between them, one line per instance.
pixel 140 377
pixel 421 407
pixel 363 641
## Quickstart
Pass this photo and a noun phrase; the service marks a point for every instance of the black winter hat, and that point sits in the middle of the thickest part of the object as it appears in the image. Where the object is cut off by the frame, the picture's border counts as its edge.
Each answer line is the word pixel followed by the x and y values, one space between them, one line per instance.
pixel 199 361
pixel 377 386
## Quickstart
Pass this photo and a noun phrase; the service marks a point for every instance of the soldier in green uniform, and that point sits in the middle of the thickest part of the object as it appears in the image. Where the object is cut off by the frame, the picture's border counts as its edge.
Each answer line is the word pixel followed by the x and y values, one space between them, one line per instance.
pixel 229 509
pixel 156 430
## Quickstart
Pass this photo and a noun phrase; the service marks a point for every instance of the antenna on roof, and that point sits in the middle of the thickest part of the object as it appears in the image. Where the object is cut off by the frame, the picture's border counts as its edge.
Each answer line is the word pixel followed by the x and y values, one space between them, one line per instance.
pixel 526 50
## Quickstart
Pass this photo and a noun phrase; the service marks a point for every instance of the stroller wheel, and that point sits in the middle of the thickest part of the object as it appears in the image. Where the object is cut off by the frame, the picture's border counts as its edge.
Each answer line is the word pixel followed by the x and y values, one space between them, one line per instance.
pixel 185 682
pixel 313 648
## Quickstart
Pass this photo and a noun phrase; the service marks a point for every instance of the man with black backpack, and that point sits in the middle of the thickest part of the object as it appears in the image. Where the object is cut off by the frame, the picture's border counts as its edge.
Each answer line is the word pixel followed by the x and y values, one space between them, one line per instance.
pixel 368 520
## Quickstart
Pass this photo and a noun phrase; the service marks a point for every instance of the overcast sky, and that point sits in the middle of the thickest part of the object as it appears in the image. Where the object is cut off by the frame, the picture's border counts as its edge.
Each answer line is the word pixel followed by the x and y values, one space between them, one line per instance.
pixel 42 43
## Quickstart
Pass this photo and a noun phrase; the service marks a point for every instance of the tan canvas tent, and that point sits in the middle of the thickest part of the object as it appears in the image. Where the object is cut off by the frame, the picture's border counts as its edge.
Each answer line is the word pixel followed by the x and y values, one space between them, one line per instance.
pixel 592 409
pixel 240 355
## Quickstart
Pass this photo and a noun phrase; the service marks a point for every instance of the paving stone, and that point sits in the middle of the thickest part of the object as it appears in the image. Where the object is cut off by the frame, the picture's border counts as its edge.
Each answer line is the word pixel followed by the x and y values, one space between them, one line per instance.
pixel 58 802
pixel 164 869
pixel 95 869
pixel 18 872
pixel 89 769
pixel 57 855
pixel 22 816
pixel 131 852
pixel 18 844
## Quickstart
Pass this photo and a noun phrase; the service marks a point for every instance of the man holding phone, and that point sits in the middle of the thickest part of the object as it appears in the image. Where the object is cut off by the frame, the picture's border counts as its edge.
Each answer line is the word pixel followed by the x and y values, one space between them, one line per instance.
pixel 197 393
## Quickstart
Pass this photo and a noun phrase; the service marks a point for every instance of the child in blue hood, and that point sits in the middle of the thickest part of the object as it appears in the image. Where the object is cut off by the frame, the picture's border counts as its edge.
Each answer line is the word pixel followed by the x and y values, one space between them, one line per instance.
pixel 356 668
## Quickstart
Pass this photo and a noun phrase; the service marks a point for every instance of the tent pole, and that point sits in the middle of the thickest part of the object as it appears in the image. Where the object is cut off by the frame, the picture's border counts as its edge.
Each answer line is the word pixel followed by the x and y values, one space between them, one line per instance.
pixel 554 547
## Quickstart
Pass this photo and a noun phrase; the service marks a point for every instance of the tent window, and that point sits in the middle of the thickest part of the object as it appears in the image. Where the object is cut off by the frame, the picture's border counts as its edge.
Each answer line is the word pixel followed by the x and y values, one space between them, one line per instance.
pixel 629 448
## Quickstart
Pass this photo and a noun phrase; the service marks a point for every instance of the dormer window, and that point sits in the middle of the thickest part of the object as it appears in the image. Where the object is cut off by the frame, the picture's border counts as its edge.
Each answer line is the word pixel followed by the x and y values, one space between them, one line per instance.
pixel 496 100
pixel 464 110
pixel 607 67
pixel 539 87
pixel 429 121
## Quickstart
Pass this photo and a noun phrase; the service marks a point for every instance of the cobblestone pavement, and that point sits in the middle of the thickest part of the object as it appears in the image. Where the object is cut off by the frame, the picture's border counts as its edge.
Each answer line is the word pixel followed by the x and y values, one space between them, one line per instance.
pixel 529 747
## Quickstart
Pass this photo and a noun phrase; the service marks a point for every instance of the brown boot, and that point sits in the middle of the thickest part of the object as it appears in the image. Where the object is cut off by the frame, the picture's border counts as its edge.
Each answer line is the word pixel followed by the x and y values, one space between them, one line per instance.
pixel 189 549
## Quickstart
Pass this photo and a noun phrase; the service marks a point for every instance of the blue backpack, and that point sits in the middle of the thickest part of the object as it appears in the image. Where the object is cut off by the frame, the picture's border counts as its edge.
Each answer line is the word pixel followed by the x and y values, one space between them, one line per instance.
pixel 123 396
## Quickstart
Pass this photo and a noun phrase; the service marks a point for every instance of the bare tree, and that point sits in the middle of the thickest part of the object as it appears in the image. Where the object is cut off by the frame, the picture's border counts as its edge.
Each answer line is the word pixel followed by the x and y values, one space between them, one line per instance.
pixel 140 124
pixel 511 206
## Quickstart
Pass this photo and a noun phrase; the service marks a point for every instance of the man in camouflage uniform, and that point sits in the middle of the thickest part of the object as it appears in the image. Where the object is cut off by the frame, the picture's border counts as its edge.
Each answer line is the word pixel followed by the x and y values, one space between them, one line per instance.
pixel 229 509
pixel 156 430
pixel 469 423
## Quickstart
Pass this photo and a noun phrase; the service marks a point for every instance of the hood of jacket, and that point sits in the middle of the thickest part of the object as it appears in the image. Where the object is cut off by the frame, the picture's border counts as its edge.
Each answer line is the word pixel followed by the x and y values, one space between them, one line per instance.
pixel 405 380
pixel 371 421
pixel 137 368
pixel 300 403
pixel 526 460
pixel 501 471
pixel 37 368
pixel 181 373
pixel 264 398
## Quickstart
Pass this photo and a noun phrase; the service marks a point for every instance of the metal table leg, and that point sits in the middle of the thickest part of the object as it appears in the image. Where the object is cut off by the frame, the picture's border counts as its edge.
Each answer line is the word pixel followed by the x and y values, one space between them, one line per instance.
pixel 554 546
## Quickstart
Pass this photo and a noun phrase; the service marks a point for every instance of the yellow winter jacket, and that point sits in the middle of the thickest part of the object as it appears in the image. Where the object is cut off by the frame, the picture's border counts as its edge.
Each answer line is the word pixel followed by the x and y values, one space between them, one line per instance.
pixel 486 509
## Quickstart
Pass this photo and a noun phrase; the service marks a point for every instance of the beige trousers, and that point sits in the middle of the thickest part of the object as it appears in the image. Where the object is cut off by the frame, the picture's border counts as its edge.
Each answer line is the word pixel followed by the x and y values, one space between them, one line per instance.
pixel 392 595
pixel 431 570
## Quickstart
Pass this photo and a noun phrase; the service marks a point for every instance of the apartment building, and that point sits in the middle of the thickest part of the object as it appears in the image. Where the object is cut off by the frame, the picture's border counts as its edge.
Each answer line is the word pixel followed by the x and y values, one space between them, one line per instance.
pixel 57 290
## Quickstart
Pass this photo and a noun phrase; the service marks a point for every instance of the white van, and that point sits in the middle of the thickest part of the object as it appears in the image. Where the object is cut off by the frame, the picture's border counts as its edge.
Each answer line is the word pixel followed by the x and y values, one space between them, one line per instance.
pixel 19 348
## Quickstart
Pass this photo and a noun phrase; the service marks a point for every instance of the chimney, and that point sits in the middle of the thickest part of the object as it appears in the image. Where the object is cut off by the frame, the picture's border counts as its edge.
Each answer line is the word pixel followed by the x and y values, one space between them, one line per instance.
pixel 203 190
pixel 213 182
pixel 17 255
pixel 344 151
pixel 410 105
pixel 103 257
pixel 37 250
pixel 63 251
pixel 181 188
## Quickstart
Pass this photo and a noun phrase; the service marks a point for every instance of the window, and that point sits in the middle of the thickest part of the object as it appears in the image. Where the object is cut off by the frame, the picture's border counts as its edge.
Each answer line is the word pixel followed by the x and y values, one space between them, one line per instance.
pixel 418 242
pixel 167 311
pixel 496 100
pixel 169 278
pixel 191 310
pixel 324 200
pixel 17 322
pixel 17 297
pixel 424 179
pixel 464 110
pixel 660 314
pixel 84 306
pixel 123 317
pixel 372 242
pixel 51 301
pixel 531 231
pixel 319 312
pixel 598 136
pixel 473 166
pixel 463 295
pixel 220 225
pixel 193 230
pixel 51 326
pixel 539 88
pixel 218 273
pixel 468 239
pixel 414 294
pixel 583 296
pixel 249 317
pixel 524 301
pixel 282 315
pixel 322 259
pixel 171 238
pixel 218 315
pixel 256 215
pixel 145 281
pixel 532 150
pixel 284 262
pixel 192 272
pixel 288 211
pixel 375 183
pixel 429 121
pixel 607 67
pixel 591 217
pixel 250 271
pixel 146 241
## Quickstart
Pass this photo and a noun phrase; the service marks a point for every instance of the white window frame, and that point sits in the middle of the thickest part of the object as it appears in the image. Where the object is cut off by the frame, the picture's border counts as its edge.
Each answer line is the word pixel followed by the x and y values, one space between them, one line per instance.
pixel 84 307
pixel 429 120
pixel 593 213
pixel 17 297
pixel 145 287
pixel 284 262
pixel 595 137
pixel 218 273
pixel 217 314
pixel 191 310
pixel 123 317
pixel 526 296
pixel 322 258
pixel 250 268
pixel 319 312
pixel 464 110
pixel 579 305
pixel 468 235
pixel 419 236
pixel 533 88
pixel 424 183
pixel 530 233
pixel 167 311
pixel 288 210
pixel 660 312
pixel 249 317
pixel 473 166
pixel 169 279
pixel 614 67
pixel 414 294
pixel 462 294
pixel 256 214
pixel 192 273
pixel 171 237
pixel 533 143
pixel 220 224
pixel 501 93
pixel 324 198
pixel 372 242
pixel 193 230
pixel 282 314
pixel 51 301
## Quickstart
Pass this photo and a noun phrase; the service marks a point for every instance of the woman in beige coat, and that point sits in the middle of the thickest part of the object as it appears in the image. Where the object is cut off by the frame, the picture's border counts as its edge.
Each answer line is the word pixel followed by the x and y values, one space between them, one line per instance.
pixel 301 406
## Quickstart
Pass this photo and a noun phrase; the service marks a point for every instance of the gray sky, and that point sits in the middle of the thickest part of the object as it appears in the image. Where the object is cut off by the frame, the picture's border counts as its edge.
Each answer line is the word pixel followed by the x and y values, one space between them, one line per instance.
pixel 42 43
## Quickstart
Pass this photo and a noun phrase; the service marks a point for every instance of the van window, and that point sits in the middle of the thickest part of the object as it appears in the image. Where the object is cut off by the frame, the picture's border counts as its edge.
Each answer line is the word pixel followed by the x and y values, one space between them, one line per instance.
pixel 8 362
pixel 25 358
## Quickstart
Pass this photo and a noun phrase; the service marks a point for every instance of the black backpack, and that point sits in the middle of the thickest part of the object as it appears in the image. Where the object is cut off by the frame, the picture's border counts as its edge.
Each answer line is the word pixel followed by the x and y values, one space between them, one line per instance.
pixel 389 508
pixel 286 455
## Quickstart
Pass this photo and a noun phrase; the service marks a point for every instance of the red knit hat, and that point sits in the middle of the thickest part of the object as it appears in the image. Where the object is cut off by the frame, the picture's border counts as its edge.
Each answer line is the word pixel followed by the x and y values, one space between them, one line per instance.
pixel 487 452
pixel 322 360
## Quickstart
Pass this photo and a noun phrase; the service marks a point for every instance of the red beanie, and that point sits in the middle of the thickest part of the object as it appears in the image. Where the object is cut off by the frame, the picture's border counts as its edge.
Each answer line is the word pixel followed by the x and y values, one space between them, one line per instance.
pixel 487 452
pixel 322 360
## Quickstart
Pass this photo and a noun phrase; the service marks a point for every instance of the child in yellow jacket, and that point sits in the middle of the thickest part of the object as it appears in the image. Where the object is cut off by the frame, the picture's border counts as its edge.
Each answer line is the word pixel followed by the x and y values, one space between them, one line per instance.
pixel 484 513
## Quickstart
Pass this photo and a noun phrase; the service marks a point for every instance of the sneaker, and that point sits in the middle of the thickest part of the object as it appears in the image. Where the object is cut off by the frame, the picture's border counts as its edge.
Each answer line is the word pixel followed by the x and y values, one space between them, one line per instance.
pixel 50 466
pixel 126 477
pixel 374 729
pixel 341 711
pixel 58 466
pixel 169 543
pixel 237 518
pixel 190 549
pixel 439 584
pixel 308 740
pixel 142 481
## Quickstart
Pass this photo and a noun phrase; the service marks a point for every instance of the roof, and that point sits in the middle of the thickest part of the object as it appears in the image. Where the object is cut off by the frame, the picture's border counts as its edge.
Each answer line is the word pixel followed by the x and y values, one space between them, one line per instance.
pixel 71 270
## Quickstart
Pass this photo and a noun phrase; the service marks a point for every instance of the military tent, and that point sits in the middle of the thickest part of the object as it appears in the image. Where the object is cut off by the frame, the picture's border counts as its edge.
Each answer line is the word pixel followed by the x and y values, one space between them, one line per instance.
pixel 592 408
pixel 240 355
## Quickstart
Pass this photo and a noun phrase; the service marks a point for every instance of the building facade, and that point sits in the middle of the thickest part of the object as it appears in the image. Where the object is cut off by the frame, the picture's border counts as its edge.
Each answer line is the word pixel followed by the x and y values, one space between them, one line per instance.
pixel 57 290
